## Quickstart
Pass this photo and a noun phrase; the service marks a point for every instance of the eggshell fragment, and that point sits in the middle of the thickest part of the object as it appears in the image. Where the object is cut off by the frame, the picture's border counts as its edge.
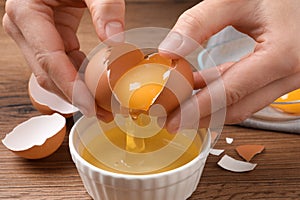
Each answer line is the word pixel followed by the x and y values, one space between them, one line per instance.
pixel 234 165
pixel 229 140
pixel 47 102
pixel 216 152
pixel 249 151
pixel 37 137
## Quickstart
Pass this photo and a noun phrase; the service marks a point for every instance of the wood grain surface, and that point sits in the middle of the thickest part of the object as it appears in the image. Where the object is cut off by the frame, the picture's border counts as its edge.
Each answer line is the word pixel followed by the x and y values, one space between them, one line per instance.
pixel 277 175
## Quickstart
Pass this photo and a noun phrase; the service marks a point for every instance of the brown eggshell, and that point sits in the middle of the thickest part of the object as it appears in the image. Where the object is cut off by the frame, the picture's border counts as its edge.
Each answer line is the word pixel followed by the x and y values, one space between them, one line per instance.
pixel 48 148
pixel 106 67
pixel 179 86
pixel 156 58
pixel 122 58
pixel 248 151
pixel 37 137
pixel 46 102
pixel 40 107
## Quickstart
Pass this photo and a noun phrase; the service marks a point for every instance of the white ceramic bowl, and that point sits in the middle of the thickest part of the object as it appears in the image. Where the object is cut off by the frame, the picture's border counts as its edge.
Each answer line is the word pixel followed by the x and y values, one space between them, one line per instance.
pixel 176 184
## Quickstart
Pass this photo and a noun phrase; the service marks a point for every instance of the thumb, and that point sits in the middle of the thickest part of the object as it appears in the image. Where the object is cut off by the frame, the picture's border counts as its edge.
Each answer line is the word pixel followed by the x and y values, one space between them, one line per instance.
pixel 108 19
pixel 200 22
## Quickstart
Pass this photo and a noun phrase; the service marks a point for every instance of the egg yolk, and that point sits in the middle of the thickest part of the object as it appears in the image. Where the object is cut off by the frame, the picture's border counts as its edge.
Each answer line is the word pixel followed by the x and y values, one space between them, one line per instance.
pixel 138 87
pixel 293 108
pixel 143 97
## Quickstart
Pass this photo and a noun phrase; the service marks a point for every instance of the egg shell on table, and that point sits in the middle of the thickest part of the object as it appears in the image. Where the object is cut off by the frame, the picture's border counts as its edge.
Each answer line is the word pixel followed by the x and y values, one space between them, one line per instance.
pixel 37 137
pixel 47 102
pixel 248 151
pixel 231 164
pixel 108 65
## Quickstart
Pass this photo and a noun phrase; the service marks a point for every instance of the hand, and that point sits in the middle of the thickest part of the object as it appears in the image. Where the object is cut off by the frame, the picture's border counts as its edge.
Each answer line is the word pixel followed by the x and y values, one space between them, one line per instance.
pixel 255 81
pixel 46 33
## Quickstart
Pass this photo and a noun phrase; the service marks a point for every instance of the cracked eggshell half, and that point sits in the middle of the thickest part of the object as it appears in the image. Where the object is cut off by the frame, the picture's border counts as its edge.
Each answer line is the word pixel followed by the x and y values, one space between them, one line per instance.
pixel 37 137
pixel 106 67
pixel 47 102
pixel 179 86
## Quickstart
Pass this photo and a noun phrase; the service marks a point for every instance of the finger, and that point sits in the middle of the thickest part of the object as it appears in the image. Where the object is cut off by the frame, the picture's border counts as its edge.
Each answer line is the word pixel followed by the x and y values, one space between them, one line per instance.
pixel 108 18
pixel 49 52
pixel 202 21
pixel 240 80
pixel 104 115
pixel 204 77
pixel 77 57
pixel 254 102
pixel 67 20
pixel 41 76
pixel 251 73
pixel 261 98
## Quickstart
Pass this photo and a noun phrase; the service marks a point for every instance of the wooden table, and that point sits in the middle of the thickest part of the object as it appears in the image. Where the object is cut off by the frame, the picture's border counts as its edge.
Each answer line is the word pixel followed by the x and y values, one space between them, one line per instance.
pixel 277 175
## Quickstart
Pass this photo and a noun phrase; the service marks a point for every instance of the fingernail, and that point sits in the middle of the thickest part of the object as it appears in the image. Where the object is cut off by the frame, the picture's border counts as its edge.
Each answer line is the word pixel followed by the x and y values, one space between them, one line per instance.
pixel 114 31
pixel 172 42
pixel 178 45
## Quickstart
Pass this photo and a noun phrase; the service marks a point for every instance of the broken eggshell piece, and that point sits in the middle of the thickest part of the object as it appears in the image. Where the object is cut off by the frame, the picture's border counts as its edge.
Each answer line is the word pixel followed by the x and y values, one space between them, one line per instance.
pixel 248 151
pixel 229 140
pixel 116 74
pixel 216 152
pixel 37 137
pixel 234 165
pixel 47 102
